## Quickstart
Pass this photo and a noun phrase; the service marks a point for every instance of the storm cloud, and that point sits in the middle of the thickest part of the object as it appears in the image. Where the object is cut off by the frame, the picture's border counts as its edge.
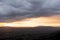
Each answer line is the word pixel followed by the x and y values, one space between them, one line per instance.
pixel 17 9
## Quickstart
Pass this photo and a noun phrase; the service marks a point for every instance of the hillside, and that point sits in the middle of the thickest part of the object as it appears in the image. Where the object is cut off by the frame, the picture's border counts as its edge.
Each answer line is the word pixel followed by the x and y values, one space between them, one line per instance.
pixel 37 33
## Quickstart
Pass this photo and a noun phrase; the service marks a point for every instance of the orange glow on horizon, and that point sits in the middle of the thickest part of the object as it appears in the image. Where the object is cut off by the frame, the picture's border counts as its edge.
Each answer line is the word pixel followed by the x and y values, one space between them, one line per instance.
pixel 33 22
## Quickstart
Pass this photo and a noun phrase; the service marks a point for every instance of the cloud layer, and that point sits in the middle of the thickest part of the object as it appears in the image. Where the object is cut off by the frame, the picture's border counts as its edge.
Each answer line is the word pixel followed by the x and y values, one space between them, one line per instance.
pixel 14 9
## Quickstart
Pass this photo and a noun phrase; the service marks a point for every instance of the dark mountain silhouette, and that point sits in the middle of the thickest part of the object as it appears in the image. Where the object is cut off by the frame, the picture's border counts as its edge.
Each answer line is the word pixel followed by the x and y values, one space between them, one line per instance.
pixel 36 33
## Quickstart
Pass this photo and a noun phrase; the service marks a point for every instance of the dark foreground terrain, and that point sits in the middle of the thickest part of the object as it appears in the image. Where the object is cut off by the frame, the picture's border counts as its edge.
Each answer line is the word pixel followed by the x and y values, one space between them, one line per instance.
pixel 37 33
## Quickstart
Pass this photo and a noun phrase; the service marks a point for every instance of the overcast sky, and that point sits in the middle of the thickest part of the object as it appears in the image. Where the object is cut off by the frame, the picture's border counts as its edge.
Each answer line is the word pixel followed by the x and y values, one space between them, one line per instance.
pixel 17 9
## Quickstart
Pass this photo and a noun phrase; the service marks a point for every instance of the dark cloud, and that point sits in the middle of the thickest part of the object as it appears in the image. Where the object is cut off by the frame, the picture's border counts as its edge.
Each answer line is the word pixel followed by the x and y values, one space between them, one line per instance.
pixel 17 9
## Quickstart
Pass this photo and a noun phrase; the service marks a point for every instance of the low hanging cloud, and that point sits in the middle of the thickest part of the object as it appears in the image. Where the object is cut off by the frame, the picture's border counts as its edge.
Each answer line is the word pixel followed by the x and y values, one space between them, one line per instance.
pixel 17 9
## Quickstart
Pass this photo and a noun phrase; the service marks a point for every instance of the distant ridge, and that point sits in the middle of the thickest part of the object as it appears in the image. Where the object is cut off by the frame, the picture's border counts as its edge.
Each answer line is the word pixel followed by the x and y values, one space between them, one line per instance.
pixel 31 27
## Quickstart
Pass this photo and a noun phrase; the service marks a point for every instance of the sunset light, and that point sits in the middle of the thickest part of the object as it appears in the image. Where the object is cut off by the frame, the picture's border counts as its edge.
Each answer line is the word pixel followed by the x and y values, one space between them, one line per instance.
pixel 33 22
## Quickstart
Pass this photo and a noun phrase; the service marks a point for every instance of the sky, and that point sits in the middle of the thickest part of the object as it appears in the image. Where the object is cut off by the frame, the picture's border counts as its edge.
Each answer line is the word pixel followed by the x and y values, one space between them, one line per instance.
pixel 13 10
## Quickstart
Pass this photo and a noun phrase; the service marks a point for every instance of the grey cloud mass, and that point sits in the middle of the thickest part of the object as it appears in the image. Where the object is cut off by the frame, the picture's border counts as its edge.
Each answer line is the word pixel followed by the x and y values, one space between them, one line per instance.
pixel 14 9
